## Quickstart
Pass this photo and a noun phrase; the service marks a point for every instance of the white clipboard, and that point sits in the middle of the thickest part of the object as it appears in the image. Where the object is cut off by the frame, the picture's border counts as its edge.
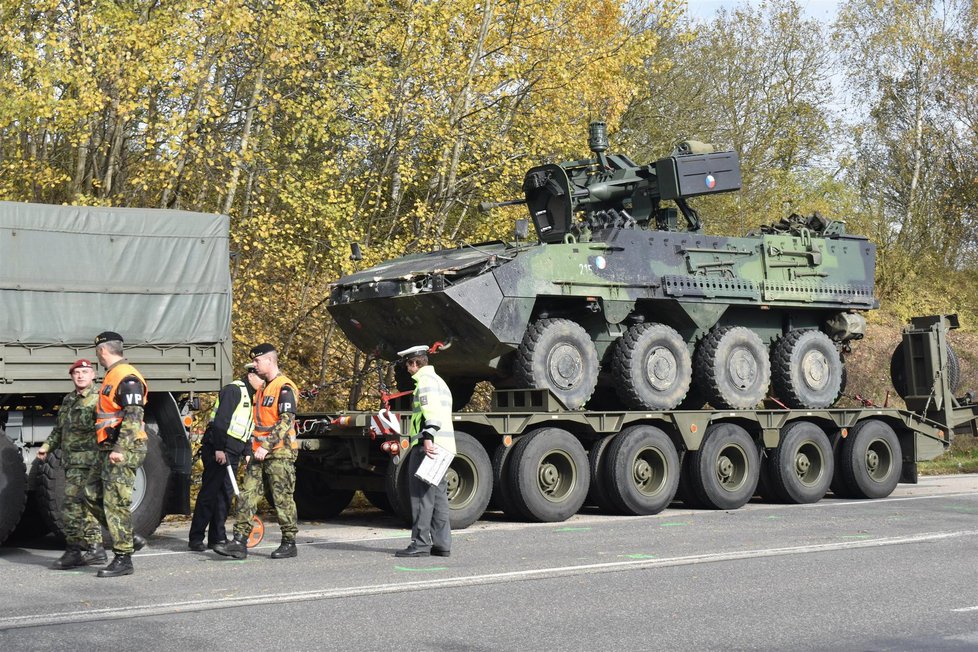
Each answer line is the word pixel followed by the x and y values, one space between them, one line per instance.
pixel 432 470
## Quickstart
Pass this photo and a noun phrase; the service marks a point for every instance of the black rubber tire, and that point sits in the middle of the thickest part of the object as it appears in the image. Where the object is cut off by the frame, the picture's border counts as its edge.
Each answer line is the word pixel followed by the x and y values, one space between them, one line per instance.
pixel 548 470
pixel 839 486
pixel 379 500
pixel 314 498
pixel 152 481
pixel 726 467
pixel 642 470
pixel 502 491
pixel 597 494
pixel 872 460
pixel 469 482
pixel 800 469
pixel 806 369
pixel 558 354
pixel 32 524
pixel 652 367
pixel 686 493
pixel 397 489
pixel 898 375
pixel 13 486
pixel 732 368
pixel 49 492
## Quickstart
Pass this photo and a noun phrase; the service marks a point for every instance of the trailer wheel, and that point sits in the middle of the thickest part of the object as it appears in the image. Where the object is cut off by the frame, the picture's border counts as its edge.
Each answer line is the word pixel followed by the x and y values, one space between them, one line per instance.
pixel 558 354
pixel 806 369
pixel 726 468
pixel 13 486
pixel 732 368
pixel 643 470
pixel 398 490
pixel 597 494
pixel 686 492
pixel 314 497
pixel 871 459
pixel 502 492
pixel 652 367
pixel 800 469
pixel 469 482
pixel 548 471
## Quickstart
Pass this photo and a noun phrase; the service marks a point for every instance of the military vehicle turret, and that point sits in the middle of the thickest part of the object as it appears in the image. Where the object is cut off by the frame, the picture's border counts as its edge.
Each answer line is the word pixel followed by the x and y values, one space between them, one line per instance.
pixel 621 302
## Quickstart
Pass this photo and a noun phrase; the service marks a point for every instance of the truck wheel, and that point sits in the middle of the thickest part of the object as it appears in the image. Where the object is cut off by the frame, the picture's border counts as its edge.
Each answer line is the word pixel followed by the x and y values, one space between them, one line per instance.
pixel 652 367
pixel 871 459
pixel 800 469
pixel 469 482
pixel 806 369
pixel 32 524
pixel 548 472
pixel 397 489
pixel 725 469
pixel 598 494
pixel 732 368
pixel 643 470
pixel 149 491
pixel 49 492
pixel 558 354
pixel 502 491
pixel 314 498
pixel 898 373
pixel 13 486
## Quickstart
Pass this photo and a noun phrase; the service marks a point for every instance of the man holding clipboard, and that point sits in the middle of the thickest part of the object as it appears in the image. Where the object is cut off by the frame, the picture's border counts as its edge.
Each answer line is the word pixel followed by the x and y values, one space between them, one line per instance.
pixel 431 425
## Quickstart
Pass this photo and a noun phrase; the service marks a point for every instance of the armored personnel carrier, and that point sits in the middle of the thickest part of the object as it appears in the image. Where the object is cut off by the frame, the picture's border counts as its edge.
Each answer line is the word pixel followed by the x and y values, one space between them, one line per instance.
pixel 620 302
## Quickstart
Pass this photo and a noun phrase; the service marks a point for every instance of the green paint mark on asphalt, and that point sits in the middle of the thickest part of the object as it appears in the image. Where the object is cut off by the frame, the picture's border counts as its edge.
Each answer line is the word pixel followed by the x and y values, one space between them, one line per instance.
pixel 639 555
pixel 855 536
pixel 421 570
pixel 572 529
pixel 774 518
pixel 673 524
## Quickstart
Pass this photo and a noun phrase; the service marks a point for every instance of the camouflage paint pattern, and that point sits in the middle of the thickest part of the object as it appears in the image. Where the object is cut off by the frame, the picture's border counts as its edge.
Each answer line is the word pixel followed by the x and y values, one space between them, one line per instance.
pixel 110 498
pixel 80 524
pixel 278 469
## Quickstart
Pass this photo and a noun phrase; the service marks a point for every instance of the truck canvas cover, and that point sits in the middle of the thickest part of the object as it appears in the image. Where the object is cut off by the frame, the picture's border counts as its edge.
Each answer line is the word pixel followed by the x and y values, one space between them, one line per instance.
pixel 69 272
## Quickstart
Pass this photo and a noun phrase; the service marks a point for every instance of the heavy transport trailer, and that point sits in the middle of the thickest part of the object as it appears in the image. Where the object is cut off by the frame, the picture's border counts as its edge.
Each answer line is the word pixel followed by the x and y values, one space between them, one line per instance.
pixel 535 460
pixel 158 277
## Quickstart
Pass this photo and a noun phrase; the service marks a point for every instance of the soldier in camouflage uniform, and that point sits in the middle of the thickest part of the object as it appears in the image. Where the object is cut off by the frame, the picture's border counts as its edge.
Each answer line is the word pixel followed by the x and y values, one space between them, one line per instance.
pixel 122 446
pixel 274 452
pixel 74 434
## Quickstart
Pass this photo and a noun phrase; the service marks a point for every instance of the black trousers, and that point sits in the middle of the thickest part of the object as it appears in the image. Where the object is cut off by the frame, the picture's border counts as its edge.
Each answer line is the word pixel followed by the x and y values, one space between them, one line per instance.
pixel 214 499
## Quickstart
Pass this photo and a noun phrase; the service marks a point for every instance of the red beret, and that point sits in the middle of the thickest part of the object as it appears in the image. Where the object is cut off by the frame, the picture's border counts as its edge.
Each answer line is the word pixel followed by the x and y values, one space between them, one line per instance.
pixel 80 363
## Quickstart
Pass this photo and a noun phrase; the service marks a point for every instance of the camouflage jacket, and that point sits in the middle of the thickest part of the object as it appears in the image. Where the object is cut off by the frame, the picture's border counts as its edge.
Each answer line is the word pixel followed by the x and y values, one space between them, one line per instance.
pixel 74 432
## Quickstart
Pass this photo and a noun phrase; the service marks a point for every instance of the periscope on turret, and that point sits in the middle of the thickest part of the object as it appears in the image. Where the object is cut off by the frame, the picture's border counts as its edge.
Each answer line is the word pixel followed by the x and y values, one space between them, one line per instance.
pixel 619 304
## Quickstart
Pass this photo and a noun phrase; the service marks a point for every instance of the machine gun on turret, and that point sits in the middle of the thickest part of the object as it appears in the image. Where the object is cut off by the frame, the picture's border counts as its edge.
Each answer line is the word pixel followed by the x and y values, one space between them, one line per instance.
pixel 614 192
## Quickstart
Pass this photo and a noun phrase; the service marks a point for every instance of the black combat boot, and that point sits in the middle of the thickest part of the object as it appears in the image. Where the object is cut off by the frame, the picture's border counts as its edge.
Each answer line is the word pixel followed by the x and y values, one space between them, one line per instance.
pixel 71 559
pixel 121 565
pixel 94 554
pixel 285 550
pixel 236 547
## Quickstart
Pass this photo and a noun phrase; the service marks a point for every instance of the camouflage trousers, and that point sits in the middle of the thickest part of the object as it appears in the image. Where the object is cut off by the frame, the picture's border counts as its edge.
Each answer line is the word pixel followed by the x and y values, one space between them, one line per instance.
pixel 111 498
pixel 80 525
pixel 279 472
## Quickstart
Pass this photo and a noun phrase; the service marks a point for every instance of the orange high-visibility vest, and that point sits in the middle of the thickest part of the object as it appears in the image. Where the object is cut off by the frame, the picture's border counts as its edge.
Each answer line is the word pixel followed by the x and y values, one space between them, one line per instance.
pixel 266 412
pixel 108 414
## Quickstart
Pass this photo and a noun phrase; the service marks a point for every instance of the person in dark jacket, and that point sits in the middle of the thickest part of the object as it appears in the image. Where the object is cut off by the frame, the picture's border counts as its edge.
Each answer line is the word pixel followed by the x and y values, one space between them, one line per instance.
pixel 225 441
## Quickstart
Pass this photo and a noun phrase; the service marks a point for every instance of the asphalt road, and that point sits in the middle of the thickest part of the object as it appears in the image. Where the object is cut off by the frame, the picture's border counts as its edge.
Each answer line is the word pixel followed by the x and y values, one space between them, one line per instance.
pixel 894 574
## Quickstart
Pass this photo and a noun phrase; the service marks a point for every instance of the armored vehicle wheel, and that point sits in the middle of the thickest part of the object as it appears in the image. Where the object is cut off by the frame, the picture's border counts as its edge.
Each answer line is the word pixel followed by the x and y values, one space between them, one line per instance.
pixel 397 489
pixel 898 374
pixel 652 367
pixel 806 369
pixel 800 469
pixel 732 368
pixel 558 354
pixel 597 494
pixel 548 472
pixel 469 482
pixel 502 492
pixel 725 469
pixel 13 486
pixel 643 470
pixel 314 498
pixel 871 460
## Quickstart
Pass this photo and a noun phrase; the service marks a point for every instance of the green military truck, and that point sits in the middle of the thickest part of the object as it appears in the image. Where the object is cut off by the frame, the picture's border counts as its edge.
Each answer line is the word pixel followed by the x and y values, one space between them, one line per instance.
pixel 158 277
pixel 534 459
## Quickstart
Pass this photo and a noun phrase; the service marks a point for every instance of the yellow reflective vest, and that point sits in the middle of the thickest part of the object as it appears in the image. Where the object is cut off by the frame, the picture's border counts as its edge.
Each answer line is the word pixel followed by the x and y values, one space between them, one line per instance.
pixel 432 406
